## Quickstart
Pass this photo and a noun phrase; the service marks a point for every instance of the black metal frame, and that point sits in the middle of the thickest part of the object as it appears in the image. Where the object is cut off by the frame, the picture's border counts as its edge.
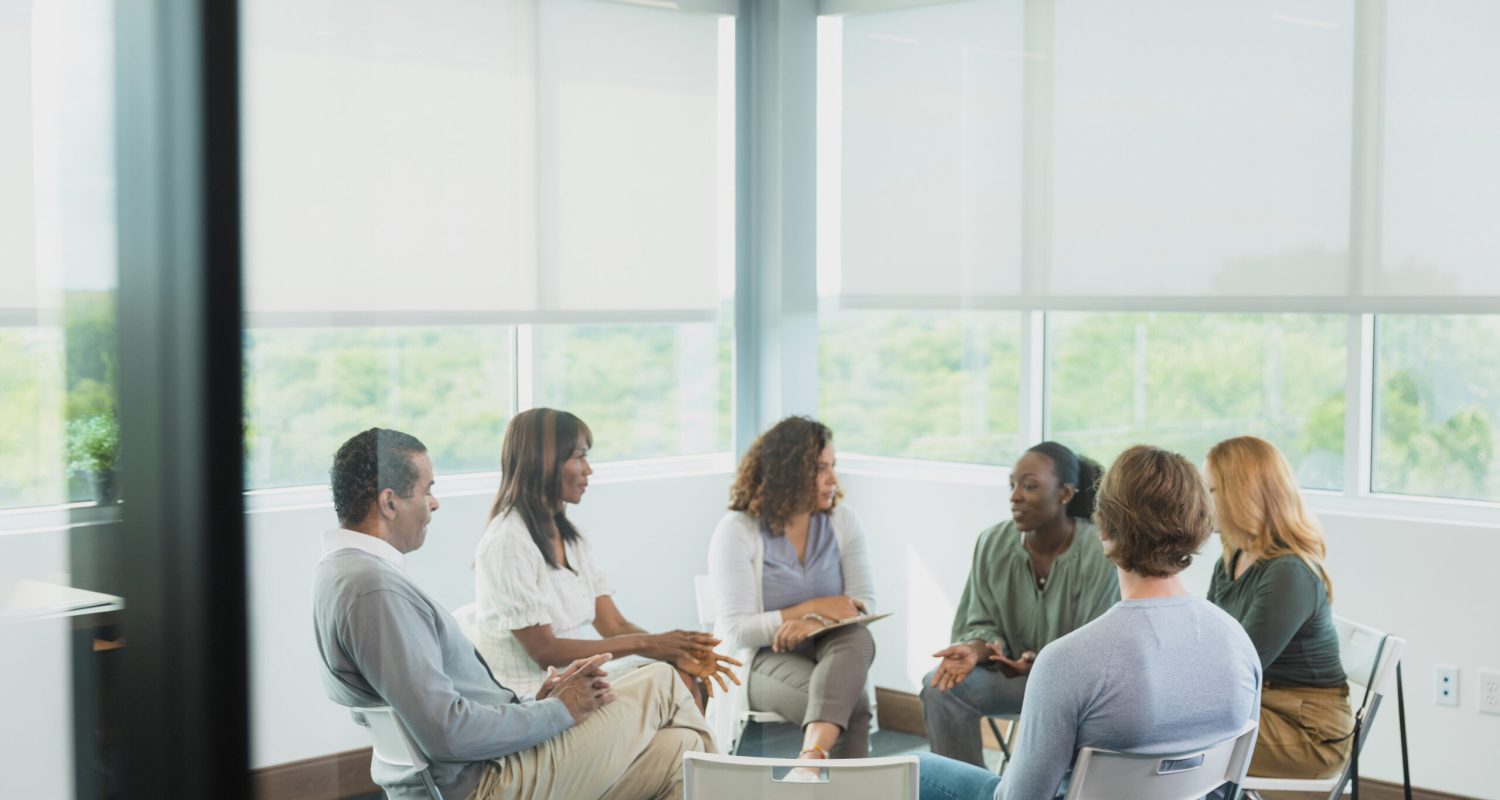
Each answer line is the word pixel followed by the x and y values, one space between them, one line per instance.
pixel 185 708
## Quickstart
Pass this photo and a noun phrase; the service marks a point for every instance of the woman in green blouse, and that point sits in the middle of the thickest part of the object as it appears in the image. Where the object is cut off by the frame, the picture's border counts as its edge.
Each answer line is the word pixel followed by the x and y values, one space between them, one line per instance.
pixel 1034 578
pixel 1272 580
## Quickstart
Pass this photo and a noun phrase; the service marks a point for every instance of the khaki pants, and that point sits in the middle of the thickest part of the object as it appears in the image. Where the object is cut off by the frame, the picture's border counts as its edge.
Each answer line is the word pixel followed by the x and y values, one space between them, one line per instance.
pixel 629 750
pixel 823 680
pixel 1295 723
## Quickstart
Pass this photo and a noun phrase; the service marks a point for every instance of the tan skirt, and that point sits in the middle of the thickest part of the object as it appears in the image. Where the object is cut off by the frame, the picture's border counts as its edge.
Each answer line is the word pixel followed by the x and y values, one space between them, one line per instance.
pixel 1296 724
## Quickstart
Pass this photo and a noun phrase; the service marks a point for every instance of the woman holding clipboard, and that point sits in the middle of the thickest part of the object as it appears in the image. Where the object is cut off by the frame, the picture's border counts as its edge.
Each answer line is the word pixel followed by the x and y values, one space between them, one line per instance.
pixel 786 562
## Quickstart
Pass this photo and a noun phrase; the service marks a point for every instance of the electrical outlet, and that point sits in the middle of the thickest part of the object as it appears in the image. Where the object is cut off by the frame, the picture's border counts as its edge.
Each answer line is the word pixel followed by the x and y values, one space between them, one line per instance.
pixel 1489 691
pixel 1445 685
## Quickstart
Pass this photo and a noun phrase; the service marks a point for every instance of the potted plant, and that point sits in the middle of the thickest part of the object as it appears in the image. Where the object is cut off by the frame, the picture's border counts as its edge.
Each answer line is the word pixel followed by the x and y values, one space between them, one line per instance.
pixel 94 450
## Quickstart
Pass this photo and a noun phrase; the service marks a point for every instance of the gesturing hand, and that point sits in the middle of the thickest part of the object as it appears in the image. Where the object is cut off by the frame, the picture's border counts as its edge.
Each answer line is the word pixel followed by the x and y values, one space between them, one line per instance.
pixel 582 687
pixel 957 662
pixel 710 668
pixel 1011 668
pixel 793 632
pixel 674 645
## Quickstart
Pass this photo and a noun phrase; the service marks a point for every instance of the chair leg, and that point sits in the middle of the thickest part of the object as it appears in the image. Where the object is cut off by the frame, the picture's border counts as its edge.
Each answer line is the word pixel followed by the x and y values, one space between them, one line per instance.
pixel 1005 742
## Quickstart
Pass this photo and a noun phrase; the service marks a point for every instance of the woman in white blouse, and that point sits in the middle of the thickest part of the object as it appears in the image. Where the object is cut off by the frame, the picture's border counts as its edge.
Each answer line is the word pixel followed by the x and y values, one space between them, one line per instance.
pixel 542 601
pixel 786 561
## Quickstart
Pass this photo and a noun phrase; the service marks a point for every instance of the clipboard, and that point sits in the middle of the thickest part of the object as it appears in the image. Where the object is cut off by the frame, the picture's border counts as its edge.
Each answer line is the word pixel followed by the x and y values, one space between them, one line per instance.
pixel 862 619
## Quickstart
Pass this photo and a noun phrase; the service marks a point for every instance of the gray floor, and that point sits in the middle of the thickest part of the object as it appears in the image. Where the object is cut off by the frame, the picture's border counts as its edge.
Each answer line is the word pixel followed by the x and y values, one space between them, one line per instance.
pixel 785 740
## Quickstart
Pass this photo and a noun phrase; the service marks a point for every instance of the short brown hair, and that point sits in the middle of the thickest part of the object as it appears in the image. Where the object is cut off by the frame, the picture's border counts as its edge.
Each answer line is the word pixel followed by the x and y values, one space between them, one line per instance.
pixel 778 477
pixel 1154 510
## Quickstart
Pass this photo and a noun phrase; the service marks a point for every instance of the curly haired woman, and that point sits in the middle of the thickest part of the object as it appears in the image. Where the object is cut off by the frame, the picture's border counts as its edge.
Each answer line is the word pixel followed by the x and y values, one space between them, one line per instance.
pixel 785 561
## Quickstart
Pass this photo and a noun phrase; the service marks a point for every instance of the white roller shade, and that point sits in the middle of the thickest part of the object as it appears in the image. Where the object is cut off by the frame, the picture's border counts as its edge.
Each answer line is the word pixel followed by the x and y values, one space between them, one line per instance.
pixel 18 290
pixel 630 125
pixel 506 161
pixel 1211 155
pixel 1201 148
pixel 1442 150
pixel 931 151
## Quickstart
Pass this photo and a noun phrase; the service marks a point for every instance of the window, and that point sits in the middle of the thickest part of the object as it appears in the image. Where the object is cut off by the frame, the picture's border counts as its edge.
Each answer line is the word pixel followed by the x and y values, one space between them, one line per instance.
pixel 1186 381
pixel 644 390
pixel 309 389
pixel 57 249
pixel 922 384
pixel 1437 422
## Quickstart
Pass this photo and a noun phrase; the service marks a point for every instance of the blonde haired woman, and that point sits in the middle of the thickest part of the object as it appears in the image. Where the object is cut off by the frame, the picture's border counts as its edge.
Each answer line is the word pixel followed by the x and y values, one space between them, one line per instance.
pixel 1272 580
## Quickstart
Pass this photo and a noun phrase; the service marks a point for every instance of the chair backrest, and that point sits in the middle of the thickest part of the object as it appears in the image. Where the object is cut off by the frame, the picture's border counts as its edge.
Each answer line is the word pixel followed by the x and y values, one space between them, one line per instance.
pixel 1189 775
pixel 721 777
pixel 1370 657
pixel 393 744
pixel 703 589
pixel 467 617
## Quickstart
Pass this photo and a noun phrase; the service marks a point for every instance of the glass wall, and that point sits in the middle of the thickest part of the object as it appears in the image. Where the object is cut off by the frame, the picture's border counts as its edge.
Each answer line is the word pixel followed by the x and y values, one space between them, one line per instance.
pixel 60 609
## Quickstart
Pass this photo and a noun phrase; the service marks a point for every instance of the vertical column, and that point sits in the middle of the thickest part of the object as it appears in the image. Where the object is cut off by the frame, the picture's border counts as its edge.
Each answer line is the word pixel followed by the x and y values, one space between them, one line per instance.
pixel 776 314
pixel 181 423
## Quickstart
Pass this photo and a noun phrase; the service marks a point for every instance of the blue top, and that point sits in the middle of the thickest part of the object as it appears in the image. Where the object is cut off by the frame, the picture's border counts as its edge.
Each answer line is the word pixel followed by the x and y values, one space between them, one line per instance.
pixel 785 581
pixel 1156 675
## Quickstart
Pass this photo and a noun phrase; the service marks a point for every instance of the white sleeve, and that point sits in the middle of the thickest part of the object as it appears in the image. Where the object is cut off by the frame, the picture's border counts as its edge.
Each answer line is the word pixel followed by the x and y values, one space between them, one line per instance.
pixel 508 578
pixel 731 569
pixel 854 558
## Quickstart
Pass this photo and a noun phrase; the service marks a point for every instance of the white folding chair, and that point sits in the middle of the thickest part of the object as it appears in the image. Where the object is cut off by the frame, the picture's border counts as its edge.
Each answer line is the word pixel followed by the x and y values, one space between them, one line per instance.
pixel 393 745
pixel 1372 661
pixel 467 617
pixel 736 700
pixel 1007 741
pixel 721 777
pixel 1189 775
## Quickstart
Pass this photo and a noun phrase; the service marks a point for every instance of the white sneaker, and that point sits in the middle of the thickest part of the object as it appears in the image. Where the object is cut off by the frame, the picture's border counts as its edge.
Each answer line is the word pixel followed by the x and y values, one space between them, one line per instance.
pixel 803 775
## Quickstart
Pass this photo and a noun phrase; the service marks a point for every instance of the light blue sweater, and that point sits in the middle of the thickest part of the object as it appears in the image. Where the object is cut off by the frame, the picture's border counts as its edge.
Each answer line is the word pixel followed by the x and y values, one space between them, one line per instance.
pixel 1148 676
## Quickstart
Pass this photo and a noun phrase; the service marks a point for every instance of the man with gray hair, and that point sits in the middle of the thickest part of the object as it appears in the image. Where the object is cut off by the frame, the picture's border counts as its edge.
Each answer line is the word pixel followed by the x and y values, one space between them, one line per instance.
pixel 386 642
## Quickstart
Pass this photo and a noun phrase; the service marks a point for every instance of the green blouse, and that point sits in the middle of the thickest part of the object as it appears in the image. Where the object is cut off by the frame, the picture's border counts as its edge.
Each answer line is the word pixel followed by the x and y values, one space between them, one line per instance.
pixel 1001 599
pixel 1283 606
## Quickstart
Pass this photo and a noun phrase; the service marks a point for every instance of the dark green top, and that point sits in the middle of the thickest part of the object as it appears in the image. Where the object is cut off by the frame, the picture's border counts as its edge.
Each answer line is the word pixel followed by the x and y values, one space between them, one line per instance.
pixel 1283 605
pixel 1001 600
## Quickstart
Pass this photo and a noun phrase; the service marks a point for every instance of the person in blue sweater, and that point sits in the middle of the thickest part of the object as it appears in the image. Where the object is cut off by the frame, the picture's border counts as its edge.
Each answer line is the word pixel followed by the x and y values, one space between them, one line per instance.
pixel 1159 672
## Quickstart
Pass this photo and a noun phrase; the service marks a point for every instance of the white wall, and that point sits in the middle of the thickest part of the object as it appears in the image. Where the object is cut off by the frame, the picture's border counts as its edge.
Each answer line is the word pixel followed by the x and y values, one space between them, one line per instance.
pixel 1428 582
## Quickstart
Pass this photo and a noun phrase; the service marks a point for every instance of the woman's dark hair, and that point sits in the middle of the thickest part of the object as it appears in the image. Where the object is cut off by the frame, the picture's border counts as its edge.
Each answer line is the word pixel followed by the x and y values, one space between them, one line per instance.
pixel 537 443
pixel 1080 471
pixel 778 477
pixel 368 464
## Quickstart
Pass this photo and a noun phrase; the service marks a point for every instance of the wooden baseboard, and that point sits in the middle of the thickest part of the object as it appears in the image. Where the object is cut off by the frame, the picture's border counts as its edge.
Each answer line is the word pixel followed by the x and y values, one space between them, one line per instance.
pixel 1370 790
pixel 902 711
pixel 331 777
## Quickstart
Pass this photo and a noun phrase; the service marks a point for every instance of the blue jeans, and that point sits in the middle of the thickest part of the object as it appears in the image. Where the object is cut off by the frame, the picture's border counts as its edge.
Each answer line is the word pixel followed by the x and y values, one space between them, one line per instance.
pixel 952 717
pixel 946 779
